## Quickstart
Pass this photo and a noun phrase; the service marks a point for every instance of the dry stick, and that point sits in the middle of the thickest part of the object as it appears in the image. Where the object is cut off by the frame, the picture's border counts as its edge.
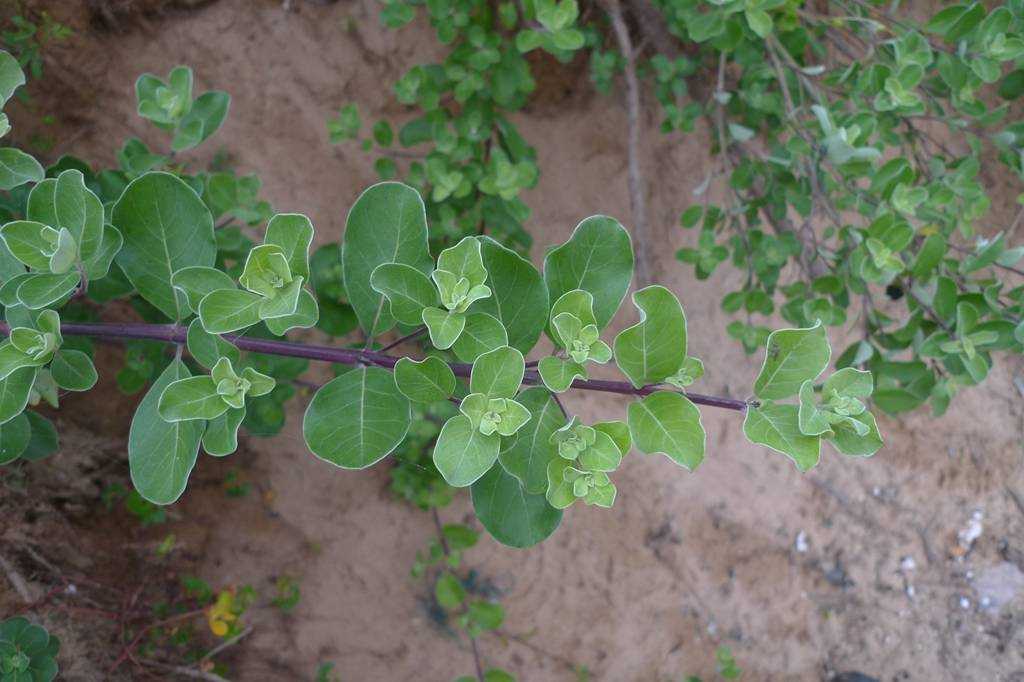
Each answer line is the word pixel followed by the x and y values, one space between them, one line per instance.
pixel 167 333
pixel 634 179
pixel 127 653
pixel 227 644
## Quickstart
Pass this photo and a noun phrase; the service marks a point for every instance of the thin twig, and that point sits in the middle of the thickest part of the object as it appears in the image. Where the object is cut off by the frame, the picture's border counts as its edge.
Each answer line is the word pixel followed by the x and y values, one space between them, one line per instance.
pixel 634 179
pixel 408 337
pixel 181 670
pixel 226 644
pixel 167 333
pixel 17 582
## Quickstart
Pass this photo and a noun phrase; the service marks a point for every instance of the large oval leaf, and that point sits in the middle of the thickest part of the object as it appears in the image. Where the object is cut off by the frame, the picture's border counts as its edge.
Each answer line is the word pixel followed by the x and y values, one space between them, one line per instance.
pixel 357 419
pixel 166 227
pixel 778 427
pixel 598 258
pixel 387 224
pixel 519 296
pixel 526 454
pixel 668 423
pixel 14 392
pixel 161 454
pixel 509 514
pixel 654 348
pixel 793 356
pixel 462 453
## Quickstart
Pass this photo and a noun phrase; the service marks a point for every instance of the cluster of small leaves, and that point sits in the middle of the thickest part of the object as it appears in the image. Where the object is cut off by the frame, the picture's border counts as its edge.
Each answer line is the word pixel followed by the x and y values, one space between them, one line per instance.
pixel 831 132
pixel 27 652
pixel 835 411
pixel 484 308
pixel 462 152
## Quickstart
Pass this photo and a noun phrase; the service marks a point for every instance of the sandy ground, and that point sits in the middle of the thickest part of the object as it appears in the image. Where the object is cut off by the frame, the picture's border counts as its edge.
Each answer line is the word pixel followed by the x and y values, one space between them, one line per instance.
pixel 684 562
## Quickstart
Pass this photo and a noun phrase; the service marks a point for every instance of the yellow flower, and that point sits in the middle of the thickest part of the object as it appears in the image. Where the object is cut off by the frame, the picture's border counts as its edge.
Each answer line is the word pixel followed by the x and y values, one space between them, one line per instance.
pixel 221 614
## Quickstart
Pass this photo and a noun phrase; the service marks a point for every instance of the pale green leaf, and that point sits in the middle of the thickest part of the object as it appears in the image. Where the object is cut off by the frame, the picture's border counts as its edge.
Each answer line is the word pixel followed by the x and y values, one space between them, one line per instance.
pixel 778 427
pixel 197 281
pixel 598 258
pixel 306 315
pixel 357 419
pixel 191 398
pixel 407 289
pixel 221 435
pixel 668 423
pixel 793 356
pixel 207 348
pixel 462 453
pixel 654 348
pixel 444 326
pixel 619 433
pixel 498 373
pixel 11 76
pixel 847 441
pixel 854 383
pixel 483 333
pixel 73 370
pixel 293 232
pixel 98 266
pixel 26 242
pixel 14 392
pixel 202 120
pixel 166 227
pixel 558 374
pixel 811 420
pixel 161 454
pixel 17 168
pixel 228 310
pixel 424 381
pixel 42 290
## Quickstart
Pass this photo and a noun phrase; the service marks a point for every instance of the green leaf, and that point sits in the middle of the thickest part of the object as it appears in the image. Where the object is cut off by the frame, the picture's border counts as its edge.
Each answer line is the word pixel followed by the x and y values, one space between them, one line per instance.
pixel 498 373
pixel 526 455
pixel 15 389
pixel 811 420
pixel 11 76
pixel 654 348
pixel 462 453
pixel 464 260
pixel 202 120
pixel 558 374
pixel 44 441
pixel 512 517
pixel 778 427
pixel 407 289
pixel 161 454
pixel 519 297
pixel 26 240
pixel 166 227
pixel 482 333
pixel 618 432
pixel 208 348
pixel 40 291
pixel 848 442
pixel 307 314
pixel 357 419
pixel 228 310
pixel 387 224
pixel 70 204
pixel 449 591
pixel 73 370
pixel 198 281
pixel 444 326
pixel 221 435
pixel 598 258
pixel 760 22
pixel 98 266
pixel 284 303
pixel 17 168
pixel 425 381
pixel 191 398
pixel 854 383
pixel 668 423
pixel 15 435
pixel 293 232
pixel 793 356
pixel 929 256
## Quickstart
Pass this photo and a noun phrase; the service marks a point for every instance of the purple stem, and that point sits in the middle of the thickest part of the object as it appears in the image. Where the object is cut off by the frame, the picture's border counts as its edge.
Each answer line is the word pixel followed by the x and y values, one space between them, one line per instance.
pixel 167 333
